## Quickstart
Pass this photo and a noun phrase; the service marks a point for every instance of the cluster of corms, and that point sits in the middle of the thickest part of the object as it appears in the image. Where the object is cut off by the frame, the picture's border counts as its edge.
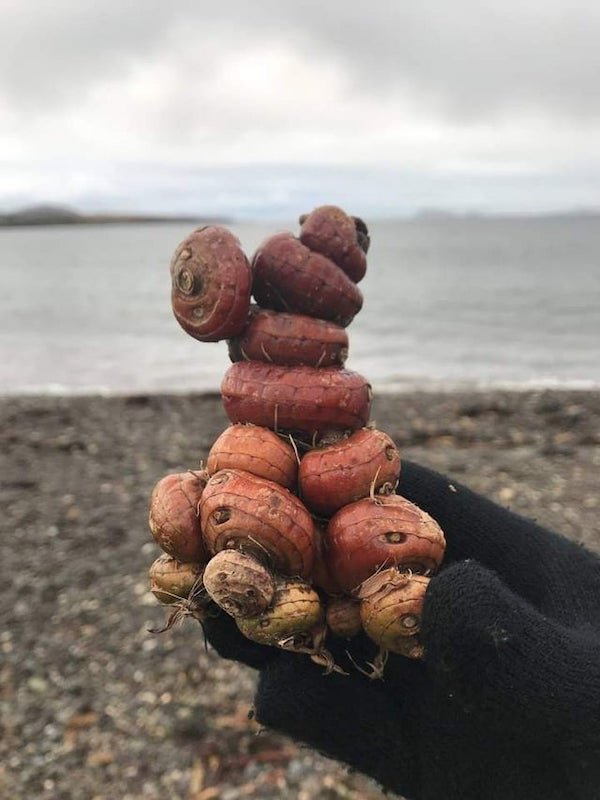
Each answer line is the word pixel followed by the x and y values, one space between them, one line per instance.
pixel 293 527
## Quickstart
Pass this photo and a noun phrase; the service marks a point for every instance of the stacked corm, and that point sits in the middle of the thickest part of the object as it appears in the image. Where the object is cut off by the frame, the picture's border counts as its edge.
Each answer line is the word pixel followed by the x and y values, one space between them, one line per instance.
pixel 293 526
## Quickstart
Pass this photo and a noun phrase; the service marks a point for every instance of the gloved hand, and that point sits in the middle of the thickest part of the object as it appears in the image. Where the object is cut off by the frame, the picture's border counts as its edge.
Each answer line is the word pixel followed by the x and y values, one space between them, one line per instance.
pixel 507 702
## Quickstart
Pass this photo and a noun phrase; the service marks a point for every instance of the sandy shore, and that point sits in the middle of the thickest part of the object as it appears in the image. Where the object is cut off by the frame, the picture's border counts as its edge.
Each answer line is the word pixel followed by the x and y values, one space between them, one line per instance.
pixel 92 705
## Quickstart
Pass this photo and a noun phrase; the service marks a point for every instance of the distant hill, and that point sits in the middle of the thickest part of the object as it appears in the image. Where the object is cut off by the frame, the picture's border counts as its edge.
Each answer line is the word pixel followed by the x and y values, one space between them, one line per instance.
pixel 60 215
pixel 443 214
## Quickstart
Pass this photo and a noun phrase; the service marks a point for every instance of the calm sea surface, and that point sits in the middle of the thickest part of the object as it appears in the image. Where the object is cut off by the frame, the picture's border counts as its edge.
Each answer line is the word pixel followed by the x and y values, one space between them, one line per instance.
pixel 490 302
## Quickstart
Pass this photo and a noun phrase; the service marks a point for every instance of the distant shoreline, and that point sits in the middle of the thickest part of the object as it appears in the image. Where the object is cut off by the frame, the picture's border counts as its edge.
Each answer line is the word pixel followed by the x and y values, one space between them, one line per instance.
pixel 45 215
pixel 12 220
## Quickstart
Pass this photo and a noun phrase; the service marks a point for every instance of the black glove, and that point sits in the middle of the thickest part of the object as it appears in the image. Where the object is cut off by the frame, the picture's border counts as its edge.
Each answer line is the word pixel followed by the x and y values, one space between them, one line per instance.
pixel 507 702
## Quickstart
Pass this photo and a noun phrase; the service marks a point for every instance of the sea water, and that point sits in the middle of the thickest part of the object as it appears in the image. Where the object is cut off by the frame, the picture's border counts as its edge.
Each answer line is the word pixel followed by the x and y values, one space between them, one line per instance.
pixel 447 302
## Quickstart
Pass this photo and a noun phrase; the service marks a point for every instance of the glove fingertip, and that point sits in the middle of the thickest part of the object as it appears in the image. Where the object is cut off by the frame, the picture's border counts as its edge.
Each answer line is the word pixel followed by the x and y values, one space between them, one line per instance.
pixel 469 620
pixel 223 635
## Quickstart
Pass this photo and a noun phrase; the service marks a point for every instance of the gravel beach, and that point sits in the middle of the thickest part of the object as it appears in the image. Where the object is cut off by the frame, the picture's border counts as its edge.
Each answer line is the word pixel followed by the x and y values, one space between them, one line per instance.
pixel 92 704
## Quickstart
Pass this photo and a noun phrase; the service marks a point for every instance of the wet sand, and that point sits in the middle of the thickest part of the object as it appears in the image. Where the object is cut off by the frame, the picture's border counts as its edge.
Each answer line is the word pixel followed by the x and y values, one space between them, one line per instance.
pixel 93 706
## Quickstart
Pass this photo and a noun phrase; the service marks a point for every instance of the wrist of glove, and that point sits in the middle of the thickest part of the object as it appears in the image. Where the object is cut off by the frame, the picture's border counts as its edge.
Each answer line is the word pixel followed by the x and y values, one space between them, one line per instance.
pixel 507 702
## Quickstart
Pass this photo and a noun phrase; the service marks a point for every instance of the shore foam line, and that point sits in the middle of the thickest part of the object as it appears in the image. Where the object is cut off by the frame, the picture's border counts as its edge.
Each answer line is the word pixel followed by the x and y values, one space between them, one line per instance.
pixel 393 387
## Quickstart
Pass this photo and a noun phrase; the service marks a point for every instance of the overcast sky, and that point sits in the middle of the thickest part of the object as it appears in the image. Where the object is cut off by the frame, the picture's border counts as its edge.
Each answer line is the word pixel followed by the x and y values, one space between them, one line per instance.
pixel 261 108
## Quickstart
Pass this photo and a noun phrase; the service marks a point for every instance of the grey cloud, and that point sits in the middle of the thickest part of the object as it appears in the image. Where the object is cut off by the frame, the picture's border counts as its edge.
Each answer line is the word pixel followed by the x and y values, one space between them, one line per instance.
pixel 470 59
pixel 474 57
pixel 52 53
